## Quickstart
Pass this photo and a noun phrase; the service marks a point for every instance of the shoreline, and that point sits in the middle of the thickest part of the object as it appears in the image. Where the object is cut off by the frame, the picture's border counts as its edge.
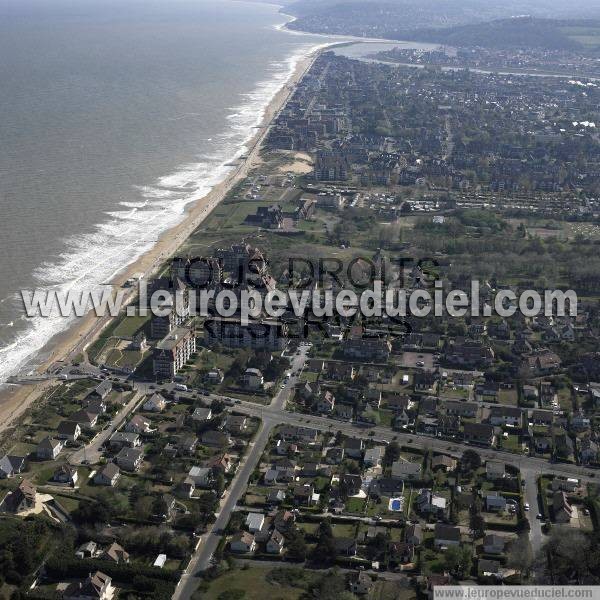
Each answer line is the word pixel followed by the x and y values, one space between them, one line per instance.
pixel 15 399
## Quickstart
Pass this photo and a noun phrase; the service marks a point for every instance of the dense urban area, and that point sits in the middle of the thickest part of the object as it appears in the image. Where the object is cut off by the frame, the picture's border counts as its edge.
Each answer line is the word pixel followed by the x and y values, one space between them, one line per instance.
pixel 202 456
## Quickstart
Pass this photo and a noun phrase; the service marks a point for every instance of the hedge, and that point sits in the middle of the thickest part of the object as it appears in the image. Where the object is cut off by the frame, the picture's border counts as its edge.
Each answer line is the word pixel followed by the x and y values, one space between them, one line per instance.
pixel 59 568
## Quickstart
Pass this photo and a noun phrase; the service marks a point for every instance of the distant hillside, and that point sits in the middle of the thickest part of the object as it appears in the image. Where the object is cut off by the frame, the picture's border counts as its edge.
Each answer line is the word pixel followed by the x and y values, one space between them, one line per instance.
pixel 394 19
pixel 521 32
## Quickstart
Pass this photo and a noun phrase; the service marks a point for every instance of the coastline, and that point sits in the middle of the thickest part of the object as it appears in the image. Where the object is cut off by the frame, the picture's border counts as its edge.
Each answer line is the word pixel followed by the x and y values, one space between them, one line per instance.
pixel 15 399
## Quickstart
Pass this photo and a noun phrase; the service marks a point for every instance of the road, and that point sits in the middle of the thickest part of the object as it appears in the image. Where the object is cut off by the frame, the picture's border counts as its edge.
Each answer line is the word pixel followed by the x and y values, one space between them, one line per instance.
pixel 208 542
pixel 92 452
pixel 529 476
pixel 276 413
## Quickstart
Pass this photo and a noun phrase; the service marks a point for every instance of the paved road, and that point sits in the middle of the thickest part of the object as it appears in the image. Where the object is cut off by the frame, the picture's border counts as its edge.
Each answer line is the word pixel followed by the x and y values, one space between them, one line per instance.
pixel 208 543
pixel 92 452
pixel 536 538
pixel 384 434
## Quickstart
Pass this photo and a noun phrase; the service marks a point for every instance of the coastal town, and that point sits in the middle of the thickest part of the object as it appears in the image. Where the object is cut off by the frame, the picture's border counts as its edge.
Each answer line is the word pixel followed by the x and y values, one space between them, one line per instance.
pixel 193 455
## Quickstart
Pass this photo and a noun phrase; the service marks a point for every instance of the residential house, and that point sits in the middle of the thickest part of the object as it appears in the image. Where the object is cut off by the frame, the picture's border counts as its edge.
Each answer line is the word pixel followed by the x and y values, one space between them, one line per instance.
pixel 479 433
pixel 494 502
pixel 386 486
pixel 124 439
pixel 255 522
pixel 565 484
pixel 443 463
pixel 495 469
pixel 116 553
pixel 97 586
pixel 562 509
pixel 215 376
pixel 138 424
pixel 21 499
pixel 243 543
pixel 354 447
pixel 215 439
pixel 87 550
pixel 85 418
pixel 334 456
pixel 367 349
pixel 339 371
pixel 65 474
pixel 325 403
pixel 275 543
pixel 102 390
pixel 506 415
pixel 304 495
pixel 156 403
pixel 487 392
pixel 68 430
pixel 11 465
pixel 374 456
pixel 345 546
pixel 297 433
pixel 201 476
pixel 49 448
pixel 343 411
pixel 428 503
pixel 108 475
pixel 461 409
pixel 253 379
pixel 493 544
pixel 202 415
pixel 236 424
pixel 445 536
pixel 402 469
pixel 129 459
pixel 425 381
pixel 413 534
pixel 588 451
pixel 186 445
pixel 400 553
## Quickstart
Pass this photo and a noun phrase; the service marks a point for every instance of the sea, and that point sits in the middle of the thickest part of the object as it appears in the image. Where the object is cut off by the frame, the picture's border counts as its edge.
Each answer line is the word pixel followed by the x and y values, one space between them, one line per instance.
pixel 114 116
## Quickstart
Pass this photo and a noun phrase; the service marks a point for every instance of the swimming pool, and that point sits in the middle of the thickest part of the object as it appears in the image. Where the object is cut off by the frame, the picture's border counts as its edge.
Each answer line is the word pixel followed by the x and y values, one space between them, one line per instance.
pixel 396 504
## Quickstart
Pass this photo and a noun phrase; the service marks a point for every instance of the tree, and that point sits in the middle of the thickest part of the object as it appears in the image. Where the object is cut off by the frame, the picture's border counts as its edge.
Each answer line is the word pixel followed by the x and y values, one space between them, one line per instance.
pixel 519 554
pixel 470 461
pixel 296 545
pixel 458 560
pixel 324 553
pixel 392 454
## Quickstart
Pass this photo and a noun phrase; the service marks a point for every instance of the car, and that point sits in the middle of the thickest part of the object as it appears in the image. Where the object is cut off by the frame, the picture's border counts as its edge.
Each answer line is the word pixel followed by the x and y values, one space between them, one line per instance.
pixel 283 386
pixel 526 506
pixel 420 363
pixel 539 516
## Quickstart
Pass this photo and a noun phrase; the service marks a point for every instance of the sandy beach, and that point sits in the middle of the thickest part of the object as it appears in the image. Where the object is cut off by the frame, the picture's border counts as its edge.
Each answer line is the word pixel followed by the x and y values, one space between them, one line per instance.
pixel 16 399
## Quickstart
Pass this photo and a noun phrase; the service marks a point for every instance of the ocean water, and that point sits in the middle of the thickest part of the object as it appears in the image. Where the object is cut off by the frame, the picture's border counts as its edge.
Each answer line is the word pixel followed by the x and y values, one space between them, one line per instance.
pixel 115 115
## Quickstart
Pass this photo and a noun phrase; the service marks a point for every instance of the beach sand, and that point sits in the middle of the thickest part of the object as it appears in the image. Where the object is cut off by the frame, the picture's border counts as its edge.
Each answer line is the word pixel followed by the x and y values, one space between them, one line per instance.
pixel 16 399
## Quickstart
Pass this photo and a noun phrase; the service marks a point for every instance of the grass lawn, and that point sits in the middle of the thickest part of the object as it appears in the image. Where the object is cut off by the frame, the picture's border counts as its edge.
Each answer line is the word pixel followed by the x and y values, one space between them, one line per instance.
pixel 391 590
pixel 508 397
pixel 355 505
pixel 253 581
pixel 128 326
pixel 512 443
pixel 343 529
